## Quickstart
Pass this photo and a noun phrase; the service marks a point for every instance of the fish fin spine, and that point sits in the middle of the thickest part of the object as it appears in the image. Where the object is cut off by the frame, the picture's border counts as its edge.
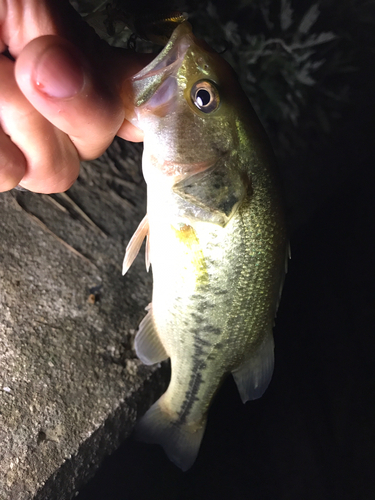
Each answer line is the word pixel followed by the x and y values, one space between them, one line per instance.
pixel 288 256
pixel 147 253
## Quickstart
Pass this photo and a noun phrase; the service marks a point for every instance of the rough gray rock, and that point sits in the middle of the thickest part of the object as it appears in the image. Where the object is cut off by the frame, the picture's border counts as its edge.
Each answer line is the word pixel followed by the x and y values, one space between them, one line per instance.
pixel 70 385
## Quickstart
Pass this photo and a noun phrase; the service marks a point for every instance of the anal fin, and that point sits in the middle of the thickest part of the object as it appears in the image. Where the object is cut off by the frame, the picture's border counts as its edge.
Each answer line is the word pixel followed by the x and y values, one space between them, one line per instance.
pixel 135 244
pixel 254 375
pixel 147 343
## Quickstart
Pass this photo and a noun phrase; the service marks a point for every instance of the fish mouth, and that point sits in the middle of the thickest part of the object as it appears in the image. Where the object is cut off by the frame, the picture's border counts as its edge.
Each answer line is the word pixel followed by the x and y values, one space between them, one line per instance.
pixel 169 55
pixel 149 79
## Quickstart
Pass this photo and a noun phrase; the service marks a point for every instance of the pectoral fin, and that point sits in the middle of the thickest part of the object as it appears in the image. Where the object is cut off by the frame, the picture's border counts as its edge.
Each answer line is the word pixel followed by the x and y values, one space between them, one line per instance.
pixel 147 343
pixel 147 253
pixel 254 375
pixel 135 244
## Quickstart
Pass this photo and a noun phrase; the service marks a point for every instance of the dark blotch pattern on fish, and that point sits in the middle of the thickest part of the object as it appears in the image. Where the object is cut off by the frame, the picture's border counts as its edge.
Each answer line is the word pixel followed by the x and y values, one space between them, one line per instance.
pixel 202 347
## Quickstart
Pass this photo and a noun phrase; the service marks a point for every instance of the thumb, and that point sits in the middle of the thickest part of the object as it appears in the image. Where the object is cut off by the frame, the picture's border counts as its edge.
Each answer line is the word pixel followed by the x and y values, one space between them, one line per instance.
pixel 80 99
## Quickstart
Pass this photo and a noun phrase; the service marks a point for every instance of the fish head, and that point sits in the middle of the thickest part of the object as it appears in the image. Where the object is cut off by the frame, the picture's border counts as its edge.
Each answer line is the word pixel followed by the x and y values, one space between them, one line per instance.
pixel 195 118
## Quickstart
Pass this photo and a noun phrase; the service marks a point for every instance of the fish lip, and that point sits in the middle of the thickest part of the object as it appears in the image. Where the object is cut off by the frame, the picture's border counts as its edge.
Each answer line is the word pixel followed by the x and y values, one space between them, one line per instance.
pixel 145 83
pixel 160 64
pixel 168 69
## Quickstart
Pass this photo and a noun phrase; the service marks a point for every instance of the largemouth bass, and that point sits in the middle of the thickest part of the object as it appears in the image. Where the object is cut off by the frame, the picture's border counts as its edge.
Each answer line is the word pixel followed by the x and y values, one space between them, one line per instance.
pixel 216 238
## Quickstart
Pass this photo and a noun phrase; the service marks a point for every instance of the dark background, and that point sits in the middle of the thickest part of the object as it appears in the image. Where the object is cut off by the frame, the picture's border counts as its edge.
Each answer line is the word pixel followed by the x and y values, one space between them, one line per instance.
pixel 311 436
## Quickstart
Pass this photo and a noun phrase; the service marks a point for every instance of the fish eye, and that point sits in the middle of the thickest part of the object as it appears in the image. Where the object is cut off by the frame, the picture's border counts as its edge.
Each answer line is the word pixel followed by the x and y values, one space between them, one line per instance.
pixel 205 96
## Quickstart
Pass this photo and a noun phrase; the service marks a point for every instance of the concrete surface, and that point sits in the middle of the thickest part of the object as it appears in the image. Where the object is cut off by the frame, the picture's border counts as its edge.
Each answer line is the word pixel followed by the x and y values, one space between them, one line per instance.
pixel 70 385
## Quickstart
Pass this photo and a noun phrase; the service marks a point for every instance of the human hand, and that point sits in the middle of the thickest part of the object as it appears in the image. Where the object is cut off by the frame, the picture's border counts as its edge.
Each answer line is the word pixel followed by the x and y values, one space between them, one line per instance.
pixel 61 97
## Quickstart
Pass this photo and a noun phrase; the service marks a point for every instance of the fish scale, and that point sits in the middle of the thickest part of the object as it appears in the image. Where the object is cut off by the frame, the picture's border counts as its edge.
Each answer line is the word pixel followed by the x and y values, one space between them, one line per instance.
pixel 216 239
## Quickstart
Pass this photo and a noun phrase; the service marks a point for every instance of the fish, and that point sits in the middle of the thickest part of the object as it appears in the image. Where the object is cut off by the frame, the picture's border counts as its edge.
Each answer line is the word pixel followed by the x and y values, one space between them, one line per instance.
pixel 216 238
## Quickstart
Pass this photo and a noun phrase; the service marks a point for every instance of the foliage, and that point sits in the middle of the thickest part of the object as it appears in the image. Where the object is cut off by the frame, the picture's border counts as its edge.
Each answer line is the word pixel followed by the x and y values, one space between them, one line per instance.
pixel 286 64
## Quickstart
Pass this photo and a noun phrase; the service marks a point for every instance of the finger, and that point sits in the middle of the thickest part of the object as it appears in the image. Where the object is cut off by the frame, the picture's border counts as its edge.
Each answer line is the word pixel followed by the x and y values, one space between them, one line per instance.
pixel 107 68
pixel 23 20
pixel 58 82
pixel 52 162
pixel 12 163
pixel 129 132
pixel 81 99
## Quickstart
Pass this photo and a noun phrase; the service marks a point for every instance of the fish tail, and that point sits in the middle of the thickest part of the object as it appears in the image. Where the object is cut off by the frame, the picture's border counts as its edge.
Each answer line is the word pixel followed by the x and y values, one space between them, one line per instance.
pixel 181 442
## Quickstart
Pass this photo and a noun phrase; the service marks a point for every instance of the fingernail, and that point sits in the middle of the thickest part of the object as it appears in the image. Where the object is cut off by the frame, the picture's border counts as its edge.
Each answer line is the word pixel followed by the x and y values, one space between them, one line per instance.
pixel 58 73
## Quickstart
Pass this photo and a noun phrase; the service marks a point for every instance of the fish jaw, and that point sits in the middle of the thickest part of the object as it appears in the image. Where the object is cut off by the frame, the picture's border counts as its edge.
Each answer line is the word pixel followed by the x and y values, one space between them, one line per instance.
pixel 141 88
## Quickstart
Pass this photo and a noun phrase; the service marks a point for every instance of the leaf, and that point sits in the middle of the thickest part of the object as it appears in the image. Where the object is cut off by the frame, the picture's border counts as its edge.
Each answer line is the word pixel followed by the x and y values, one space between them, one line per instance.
pixel 303 76
pixel 286 15
pixel 211 11
pixel 265 10
pixel 299 58
pixel 313 40
pixel 309 19
pixel 231 33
